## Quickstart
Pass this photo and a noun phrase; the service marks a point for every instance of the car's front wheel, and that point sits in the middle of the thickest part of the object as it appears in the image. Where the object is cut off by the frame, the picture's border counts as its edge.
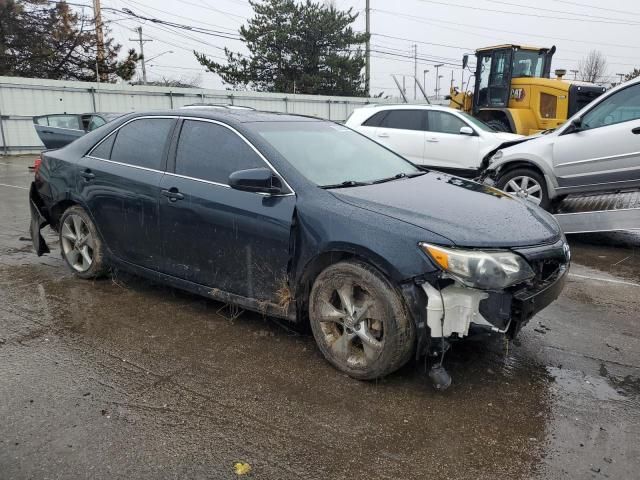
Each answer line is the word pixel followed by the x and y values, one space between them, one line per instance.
pixel 525 183
pixel 80 244
pixel 359 321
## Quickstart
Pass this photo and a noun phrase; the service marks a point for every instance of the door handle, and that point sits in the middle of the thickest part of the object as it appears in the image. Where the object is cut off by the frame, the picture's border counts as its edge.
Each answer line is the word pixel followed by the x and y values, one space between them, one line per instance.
pixel 47 131
pixel 383 135
pixel 636 131
pixel 172 194
pixel 87 174
pixel 432 140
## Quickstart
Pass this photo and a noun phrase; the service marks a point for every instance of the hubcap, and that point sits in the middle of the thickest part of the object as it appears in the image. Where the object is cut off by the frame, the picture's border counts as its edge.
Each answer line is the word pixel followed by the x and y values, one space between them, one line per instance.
pixel 77 243
pixel 352 326
pixel 525 187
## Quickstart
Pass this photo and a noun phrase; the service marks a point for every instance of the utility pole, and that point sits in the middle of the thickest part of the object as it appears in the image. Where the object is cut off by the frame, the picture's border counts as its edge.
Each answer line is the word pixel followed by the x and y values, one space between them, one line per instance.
pixel 575 74
pixel 424 78
pixel 141 40
pixel 97 18
pixel 451 86
pixel 367 72
pixel 415 71
pixel 438 79
pixel 621 75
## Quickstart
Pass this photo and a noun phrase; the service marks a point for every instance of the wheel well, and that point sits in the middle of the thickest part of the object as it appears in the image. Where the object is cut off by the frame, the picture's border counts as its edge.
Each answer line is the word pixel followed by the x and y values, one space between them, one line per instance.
pixel 317 265
pixel 57 210
pixel 504 169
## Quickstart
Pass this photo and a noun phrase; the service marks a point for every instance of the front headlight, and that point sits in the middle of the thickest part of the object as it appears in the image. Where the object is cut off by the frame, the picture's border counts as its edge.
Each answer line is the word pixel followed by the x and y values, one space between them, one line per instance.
pixel 478 269
pixel 496 156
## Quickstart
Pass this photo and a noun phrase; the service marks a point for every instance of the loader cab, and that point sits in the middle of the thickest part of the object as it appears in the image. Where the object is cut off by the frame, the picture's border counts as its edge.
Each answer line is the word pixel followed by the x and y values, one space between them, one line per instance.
pixel 497 66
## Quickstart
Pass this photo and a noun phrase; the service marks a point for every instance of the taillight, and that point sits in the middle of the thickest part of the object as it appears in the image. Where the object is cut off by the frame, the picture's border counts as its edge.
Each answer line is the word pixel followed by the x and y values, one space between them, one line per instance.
pixel 36 166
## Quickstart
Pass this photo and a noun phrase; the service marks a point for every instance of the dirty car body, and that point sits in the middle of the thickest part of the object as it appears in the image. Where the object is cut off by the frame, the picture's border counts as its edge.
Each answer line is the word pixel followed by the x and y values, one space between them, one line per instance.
pixel 252 208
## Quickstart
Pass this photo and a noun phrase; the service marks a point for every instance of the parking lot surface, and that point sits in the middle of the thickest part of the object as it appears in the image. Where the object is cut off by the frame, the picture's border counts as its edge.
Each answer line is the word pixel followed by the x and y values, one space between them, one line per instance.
pixel 123 378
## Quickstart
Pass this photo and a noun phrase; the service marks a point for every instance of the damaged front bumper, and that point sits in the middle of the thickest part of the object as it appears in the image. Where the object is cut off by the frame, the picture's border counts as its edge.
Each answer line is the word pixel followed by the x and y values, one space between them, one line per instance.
pixel 453 310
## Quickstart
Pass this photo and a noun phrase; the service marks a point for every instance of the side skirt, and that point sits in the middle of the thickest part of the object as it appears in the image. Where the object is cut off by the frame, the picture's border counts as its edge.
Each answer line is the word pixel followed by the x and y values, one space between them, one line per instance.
pixel 255 305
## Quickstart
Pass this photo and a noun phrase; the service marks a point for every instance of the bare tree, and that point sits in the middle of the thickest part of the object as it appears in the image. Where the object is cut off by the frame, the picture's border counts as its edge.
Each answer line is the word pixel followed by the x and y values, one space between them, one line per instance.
pixel 632 75
pixel 593 67
pixel 181 82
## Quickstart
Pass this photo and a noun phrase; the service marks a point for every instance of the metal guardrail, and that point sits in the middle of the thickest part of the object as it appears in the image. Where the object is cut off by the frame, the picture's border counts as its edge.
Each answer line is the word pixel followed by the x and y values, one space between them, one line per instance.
pixel 600 213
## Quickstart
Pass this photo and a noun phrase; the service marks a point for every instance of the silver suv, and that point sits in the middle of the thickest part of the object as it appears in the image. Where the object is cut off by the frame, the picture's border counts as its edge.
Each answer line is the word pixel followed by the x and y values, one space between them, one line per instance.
pixel 598 149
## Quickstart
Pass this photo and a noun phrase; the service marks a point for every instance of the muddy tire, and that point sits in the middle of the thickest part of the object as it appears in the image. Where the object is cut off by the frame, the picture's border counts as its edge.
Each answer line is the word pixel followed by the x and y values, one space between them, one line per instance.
pixel 80 244
pixel 359 321
pixel 499 126
pixel 525 183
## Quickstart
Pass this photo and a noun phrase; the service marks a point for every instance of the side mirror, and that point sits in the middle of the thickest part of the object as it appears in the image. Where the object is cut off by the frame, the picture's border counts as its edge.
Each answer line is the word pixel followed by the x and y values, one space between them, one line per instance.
pixel 467 131
pixel 258 180
pixel 465 61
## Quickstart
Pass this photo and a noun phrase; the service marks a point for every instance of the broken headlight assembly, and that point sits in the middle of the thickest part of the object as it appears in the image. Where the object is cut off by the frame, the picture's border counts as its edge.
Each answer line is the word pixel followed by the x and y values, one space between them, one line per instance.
pixel 491 270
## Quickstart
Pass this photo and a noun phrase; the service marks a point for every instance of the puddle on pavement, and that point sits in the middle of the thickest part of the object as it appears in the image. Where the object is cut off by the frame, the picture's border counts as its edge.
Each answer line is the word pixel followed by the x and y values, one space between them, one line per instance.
pixel 616 253
pixel 572 382
pixel 156 346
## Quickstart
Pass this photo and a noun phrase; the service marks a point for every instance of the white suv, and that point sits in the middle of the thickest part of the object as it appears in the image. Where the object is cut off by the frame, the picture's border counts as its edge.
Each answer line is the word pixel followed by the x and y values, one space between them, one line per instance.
pixel 430 136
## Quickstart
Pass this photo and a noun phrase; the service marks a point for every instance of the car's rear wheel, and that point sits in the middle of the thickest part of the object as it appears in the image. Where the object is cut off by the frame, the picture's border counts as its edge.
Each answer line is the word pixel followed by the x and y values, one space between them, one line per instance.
pixel 525 183
pixel 359 321
pixel 80 244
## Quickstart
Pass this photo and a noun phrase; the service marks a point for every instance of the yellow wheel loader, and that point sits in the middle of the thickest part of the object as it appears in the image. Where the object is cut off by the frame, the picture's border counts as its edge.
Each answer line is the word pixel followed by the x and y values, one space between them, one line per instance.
pixel 513 91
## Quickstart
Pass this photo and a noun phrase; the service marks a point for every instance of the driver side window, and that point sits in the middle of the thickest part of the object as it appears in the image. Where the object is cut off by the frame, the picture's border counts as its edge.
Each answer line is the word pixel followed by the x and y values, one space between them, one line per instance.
pixel 622 106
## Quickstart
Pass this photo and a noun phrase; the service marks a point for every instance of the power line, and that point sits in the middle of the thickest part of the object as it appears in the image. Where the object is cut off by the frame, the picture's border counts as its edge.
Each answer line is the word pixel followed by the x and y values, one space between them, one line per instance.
pixel 208 7
pixel 173 14
pixel 438 23
pixel 625 12
pixel 493 10
pixel 422 42
pixel 556 11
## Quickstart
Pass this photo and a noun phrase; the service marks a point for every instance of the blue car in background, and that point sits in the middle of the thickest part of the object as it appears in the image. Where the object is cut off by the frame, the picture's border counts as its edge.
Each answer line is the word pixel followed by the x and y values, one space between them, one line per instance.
pixel 58 130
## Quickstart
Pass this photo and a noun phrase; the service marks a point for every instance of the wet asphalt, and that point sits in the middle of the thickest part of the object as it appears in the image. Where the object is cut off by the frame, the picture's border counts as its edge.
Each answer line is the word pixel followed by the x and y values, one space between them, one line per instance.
pixel 123 378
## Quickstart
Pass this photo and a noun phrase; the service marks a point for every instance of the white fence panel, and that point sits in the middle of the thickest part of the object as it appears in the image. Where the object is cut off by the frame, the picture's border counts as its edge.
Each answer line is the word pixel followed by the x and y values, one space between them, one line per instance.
pixel 23 98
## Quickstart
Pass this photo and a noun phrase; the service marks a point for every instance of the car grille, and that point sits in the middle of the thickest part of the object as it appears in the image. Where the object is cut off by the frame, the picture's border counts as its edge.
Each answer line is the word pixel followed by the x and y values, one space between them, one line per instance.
pixel 547 270
pixel 547 262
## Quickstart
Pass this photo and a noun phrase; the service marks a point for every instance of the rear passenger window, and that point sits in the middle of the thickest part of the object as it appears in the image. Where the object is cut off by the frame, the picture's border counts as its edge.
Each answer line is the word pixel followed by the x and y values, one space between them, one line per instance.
pixel 104 149
pixel 142 142
pixel 404 119
pixel 212 152
pixel 376 120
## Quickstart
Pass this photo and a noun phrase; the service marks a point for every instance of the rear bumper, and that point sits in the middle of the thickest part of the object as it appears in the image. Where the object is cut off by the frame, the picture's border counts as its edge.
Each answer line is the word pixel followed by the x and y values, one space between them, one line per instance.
pixel 38 221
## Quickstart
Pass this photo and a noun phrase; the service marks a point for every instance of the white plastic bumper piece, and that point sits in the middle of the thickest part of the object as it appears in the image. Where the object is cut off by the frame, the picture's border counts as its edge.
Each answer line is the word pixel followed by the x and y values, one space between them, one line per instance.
pixel 461 308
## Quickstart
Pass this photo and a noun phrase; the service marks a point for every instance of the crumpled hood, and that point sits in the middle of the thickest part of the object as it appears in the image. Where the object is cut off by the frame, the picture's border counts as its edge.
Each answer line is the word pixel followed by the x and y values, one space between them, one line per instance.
pixel 506 136
pixel 467 213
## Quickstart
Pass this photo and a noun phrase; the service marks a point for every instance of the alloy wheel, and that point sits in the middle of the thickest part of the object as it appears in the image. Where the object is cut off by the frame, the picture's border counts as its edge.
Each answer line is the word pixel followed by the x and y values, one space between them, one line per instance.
pixel 78 243
pixel 352 325
pixel 525 187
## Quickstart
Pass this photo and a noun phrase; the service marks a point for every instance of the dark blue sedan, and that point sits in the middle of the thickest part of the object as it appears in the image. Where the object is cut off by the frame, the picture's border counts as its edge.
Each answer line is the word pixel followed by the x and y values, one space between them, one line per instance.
pixel 302 219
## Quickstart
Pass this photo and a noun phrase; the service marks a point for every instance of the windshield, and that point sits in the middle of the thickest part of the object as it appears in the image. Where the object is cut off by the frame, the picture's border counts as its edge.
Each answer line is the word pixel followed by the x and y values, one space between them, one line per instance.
pixel 476 122
pixel 528 63
pixel 330 154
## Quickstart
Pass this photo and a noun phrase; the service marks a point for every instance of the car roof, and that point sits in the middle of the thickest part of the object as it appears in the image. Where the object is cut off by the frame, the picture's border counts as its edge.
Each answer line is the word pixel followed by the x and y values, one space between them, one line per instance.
pixel 408 106
pixel 233 115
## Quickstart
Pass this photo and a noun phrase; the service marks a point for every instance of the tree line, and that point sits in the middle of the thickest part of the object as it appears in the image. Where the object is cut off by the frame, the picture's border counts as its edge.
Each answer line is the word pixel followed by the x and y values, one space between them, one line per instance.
pixel 41 39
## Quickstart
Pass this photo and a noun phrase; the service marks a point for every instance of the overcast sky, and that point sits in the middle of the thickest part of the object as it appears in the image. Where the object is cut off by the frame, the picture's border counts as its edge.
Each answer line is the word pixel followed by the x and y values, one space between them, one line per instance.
pixel 443 30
